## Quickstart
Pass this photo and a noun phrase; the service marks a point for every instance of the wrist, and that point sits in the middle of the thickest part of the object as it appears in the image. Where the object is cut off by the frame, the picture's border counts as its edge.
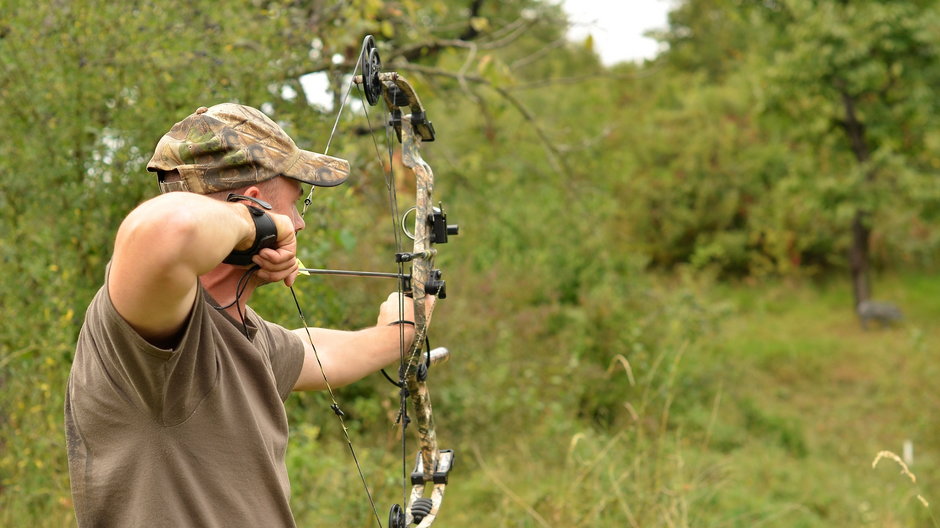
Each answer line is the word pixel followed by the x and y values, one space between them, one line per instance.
pixel 405 329
pixel 248 228
pixel 263 235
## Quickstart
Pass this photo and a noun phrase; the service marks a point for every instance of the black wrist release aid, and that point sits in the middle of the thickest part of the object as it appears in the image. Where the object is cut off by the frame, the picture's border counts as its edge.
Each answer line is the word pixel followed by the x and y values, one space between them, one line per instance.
pixel 265 237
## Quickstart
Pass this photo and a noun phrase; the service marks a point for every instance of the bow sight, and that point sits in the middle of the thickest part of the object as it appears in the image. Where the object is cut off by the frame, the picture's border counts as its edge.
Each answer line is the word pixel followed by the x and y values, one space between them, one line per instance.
pixel 439 230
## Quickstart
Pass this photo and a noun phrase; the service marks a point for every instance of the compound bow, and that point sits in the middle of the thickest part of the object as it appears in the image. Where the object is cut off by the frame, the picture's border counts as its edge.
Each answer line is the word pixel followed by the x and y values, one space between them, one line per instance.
pixel 432 464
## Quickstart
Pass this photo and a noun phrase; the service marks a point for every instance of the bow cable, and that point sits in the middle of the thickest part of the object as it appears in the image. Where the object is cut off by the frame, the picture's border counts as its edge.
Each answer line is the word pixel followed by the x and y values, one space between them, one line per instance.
pixel 309 199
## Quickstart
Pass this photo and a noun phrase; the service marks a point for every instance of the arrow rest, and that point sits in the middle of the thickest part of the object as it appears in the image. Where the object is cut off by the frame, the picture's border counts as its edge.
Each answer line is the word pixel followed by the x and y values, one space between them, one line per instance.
pixel 436 285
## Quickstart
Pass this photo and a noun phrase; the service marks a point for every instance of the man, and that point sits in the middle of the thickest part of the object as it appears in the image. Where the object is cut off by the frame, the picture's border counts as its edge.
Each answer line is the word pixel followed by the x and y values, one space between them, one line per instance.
pixel 174 411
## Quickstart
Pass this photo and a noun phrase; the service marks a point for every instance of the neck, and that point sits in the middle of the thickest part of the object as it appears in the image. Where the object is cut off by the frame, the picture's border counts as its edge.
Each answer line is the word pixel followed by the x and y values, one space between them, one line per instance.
pixel 222 282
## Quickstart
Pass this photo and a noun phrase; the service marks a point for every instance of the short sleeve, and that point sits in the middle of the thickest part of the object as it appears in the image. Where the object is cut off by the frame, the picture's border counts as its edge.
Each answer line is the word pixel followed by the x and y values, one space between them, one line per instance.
pixel 286 354
pixel 141 372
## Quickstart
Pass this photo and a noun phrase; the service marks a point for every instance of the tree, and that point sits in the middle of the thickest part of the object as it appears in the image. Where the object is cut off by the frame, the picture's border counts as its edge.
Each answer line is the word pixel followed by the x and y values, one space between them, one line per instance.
pixel 861 72
pixel 828 162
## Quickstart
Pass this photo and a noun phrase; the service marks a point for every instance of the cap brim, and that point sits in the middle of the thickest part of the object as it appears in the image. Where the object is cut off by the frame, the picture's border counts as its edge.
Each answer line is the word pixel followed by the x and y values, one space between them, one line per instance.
pixel 318 169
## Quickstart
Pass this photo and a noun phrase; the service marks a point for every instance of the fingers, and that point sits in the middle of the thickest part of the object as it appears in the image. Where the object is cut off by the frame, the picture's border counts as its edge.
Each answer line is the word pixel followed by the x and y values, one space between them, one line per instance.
pixel 398 307
pixel 279 263
pixel 429 302
pixel 395 308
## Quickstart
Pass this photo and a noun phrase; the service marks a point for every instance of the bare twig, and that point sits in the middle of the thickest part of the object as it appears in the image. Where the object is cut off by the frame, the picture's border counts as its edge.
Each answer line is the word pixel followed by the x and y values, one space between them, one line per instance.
pixel 541 52
pixel 497 39
pixel 543 83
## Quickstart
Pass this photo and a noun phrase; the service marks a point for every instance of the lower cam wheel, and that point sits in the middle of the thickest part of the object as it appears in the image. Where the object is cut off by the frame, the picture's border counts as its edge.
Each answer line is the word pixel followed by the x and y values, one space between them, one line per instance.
pixel 396 517
pixel 420 508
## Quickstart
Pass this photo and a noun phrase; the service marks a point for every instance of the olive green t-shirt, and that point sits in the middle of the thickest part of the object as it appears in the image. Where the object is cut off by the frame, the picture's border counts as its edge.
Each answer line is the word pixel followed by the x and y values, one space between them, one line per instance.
pixel 193 436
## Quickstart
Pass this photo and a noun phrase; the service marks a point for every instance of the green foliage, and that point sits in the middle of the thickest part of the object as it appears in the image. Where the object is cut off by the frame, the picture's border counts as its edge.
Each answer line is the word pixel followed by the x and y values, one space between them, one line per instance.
pixel 88 89
pixel 600 377
pixel 776 123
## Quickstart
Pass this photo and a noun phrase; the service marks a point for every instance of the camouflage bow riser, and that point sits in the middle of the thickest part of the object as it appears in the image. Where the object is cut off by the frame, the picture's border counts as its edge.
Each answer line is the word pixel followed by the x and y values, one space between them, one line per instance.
pixel 421 272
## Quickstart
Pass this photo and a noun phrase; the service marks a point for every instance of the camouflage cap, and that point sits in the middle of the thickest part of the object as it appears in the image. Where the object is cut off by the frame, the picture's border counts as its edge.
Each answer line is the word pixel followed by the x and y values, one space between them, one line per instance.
pixel 230 146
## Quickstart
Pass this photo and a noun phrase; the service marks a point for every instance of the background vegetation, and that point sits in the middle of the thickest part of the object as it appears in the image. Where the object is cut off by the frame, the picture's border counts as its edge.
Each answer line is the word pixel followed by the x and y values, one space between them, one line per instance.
pixel 650 302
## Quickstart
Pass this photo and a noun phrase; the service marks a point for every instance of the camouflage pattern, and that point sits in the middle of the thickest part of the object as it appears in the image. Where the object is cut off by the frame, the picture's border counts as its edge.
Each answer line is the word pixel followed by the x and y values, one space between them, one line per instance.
pixel 437 493
pixel 430 458
pixel 229 146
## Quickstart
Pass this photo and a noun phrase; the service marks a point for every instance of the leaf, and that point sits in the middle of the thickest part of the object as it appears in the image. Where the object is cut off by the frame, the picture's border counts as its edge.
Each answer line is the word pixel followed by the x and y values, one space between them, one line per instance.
pixel 484 64
pixel 480 23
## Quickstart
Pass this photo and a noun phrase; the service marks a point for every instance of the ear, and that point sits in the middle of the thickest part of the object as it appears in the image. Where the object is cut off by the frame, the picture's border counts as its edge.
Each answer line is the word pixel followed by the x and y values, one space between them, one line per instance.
pixel 252 191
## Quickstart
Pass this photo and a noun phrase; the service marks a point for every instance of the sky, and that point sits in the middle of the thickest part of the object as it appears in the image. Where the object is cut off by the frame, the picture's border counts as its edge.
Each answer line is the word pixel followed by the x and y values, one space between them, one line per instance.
pixel 617 27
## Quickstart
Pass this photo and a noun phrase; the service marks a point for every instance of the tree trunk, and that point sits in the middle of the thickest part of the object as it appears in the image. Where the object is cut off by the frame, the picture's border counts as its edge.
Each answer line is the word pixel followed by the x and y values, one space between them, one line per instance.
pixel 861 230
pixel 858 258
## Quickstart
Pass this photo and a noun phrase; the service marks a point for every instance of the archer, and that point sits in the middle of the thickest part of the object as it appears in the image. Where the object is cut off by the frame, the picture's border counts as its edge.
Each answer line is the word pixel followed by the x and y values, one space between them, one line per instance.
pixel 175 405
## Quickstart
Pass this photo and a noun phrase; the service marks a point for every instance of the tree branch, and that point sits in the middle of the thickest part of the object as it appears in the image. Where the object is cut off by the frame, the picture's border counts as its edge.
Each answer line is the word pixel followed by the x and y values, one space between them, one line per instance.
pixel 430 47
pixel 417 51
pixel 544 83
pixel 471 32
pixel 556 158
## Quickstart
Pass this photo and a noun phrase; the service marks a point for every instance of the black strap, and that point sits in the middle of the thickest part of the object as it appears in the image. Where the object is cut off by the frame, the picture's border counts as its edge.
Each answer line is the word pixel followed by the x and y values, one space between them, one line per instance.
pixel 265 237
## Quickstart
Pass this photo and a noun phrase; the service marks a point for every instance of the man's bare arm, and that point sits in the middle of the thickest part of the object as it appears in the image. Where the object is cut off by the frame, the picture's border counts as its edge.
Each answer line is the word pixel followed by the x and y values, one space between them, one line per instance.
pixel 347 356
pixel 161 249
pixel 350 356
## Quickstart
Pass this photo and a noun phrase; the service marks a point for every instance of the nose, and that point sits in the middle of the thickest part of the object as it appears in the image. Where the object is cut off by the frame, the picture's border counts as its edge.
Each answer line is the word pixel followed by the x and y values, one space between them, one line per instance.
pixel 298 220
